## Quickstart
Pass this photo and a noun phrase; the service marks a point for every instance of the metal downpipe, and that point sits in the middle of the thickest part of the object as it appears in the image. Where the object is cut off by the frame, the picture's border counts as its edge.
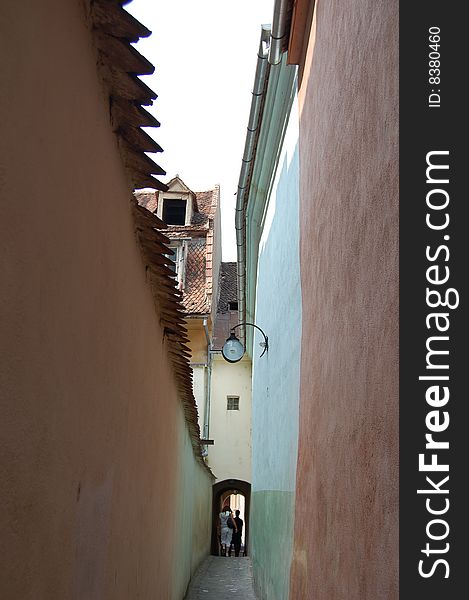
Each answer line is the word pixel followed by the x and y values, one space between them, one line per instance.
pixel 262 70
pixel 279 31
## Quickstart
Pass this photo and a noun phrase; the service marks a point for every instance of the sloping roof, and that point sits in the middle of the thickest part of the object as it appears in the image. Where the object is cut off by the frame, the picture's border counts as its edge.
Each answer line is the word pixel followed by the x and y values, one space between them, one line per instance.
pixel 118 62
pixel 195 298
pixel 225 318
pixel 179 184
pixel 207 203
pixel 227 286
pixel 119 65
pixel 205 206
pixel 148 199
pixel 198 279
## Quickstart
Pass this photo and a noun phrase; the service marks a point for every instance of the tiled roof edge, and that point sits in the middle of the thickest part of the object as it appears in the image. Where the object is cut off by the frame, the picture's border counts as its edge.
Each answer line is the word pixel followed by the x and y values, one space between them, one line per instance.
pixel 168 304
pixel 119 65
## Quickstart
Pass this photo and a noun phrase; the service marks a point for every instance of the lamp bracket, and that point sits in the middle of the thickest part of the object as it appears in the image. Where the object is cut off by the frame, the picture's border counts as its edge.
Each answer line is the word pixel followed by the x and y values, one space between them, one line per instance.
pixel 264 344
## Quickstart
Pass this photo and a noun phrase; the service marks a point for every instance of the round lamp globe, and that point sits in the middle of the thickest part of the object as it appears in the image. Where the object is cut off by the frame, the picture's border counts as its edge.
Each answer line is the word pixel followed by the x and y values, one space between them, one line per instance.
pixel 233 349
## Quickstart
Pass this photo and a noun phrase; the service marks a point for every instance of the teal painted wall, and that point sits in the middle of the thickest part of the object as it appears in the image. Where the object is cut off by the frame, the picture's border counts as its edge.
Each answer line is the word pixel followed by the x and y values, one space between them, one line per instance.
pixel 276 379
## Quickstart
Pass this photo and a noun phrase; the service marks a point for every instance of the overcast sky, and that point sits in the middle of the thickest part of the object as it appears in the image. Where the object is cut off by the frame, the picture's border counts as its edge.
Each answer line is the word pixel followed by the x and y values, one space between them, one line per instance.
pixel 204 53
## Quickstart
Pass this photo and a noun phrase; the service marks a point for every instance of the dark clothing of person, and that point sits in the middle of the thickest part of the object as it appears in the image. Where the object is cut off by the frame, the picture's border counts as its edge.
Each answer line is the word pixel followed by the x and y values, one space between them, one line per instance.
pixel 236 539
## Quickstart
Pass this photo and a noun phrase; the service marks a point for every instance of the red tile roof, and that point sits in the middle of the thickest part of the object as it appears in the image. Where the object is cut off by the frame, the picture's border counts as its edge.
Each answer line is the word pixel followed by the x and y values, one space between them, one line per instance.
pixel 198 277
pixel 226 317
pixel 227 286
pixel 148 199
pixel 207 202
pixel 195 298
pixel 197 293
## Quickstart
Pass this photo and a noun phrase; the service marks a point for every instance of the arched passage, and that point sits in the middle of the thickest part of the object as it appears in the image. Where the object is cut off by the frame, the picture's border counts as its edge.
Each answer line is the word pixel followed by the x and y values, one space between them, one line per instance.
pixel 222 490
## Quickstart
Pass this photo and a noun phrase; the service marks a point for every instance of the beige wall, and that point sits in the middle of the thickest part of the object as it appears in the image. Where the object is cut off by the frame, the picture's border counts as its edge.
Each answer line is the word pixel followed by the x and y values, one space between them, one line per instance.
pixel 199 383
pixel 230 456
pixel 198 339
pixel 90 418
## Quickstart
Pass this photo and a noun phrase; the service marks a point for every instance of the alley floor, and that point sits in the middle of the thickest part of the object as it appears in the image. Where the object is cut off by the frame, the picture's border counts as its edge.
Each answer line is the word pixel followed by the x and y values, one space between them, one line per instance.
pixel 222 577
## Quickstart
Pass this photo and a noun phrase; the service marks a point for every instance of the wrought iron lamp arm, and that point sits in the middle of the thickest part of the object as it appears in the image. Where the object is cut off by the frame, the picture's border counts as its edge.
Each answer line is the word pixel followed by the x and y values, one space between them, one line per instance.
pixel 265 343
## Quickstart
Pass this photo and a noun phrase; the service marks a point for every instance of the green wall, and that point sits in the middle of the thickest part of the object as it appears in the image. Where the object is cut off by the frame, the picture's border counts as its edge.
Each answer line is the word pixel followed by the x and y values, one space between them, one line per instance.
pixel 271 532
pixel 276 376
pixel 193 517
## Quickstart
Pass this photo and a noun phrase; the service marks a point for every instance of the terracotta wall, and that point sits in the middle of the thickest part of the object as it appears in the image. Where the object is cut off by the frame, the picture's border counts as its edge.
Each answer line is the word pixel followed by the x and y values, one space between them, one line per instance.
pixel 346 528
pixel 90 419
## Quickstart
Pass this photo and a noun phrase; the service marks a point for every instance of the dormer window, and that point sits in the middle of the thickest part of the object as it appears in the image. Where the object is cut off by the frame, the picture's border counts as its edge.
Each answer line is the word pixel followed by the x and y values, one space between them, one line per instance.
pixel 177 204
pixel 174 211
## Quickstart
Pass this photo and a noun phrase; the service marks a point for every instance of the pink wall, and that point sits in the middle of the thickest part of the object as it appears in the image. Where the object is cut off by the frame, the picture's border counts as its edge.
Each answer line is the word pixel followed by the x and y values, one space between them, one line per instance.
pixel 346 530
pixel 90 414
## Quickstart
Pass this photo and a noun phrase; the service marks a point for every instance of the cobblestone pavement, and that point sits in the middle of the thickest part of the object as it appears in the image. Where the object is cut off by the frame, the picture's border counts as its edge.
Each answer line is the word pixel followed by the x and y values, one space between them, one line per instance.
pixel 221 577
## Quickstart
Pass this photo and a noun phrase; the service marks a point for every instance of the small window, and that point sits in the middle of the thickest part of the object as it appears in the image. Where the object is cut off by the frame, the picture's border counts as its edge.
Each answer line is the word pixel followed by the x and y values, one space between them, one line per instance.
pixel 232 403
pixel 175 258
pixel 173 265
pixel 233 305
pixel 174 212
pixel 178 263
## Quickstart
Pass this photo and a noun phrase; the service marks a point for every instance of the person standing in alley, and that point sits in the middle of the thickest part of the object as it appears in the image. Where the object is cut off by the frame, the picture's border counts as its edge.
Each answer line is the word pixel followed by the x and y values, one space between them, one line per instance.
pixel 226 518
pixel 237 532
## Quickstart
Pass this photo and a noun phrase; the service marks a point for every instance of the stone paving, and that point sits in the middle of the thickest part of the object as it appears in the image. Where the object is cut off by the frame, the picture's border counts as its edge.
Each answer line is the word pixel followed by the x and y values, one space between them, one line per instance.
pixel 222 577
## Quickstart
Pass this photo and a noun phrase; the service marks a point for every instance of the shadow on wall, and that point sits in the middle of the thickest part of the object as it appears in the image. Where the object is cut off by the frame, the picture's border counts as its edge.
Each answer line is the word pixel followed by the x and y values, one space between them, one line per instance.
pixel 222 491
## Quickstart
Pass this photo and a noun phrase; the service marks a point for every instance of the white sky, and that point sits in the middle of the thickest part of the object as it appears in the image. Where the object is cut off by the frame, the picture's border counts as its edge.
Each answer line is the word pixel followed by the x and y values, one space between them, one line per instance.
pixel 205 54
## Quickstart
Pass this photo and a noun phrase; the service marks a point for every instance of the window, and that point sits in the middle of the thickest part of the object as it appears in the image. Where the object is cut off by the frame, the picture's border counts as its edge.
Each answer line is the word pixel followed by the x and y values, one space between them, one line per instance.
pixel 232 403
pixel 174 265
pixel 174 212
pixel 233 305
pixel 175 259
pixel 178 261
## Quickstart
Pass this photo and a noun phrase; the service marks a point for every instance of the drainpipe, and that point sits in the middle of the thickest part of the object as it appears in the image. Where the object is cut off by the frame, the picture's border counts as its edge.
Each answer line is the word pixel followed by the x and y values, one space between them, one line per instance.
pixel 258 92
pixel 270 53
pixel 208 384
pixel 279 31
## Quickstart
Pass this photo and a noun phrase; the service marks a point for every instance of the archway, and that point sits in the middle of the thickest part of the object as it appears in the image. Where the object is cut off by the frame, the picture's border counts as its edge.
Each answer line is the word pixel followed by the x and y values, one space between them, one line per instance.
pixel 220 492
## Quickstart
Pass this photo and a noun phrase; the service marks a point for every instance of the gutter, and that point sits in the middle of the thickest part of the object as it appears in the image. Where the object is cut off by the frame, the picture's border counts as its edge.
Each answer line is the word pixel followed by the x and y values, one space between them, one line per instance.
pixel 270 53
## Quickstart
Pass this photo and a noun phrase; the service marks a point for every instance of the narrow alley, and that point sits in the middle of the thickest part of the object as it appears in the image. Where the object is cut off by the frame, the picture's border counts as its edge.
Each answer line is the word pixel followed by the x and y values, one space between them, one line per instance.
pixel 160 400
pixel 220 577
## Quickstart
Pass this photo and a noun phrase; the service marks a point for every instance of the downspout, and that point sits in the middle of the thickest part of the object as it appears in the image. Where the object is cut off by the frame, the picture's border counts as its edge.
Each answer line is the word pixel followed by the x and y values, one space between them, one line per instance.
pixel 258 93
pixel 270 53
pixel 206 430
pixel 279 31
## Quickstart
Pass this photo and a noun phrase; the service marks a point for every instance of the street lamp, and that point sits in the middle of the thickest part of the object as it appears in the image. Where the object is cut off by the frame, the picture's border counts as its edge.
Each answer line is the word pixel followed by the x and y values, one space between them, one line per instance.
pixel 233 349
